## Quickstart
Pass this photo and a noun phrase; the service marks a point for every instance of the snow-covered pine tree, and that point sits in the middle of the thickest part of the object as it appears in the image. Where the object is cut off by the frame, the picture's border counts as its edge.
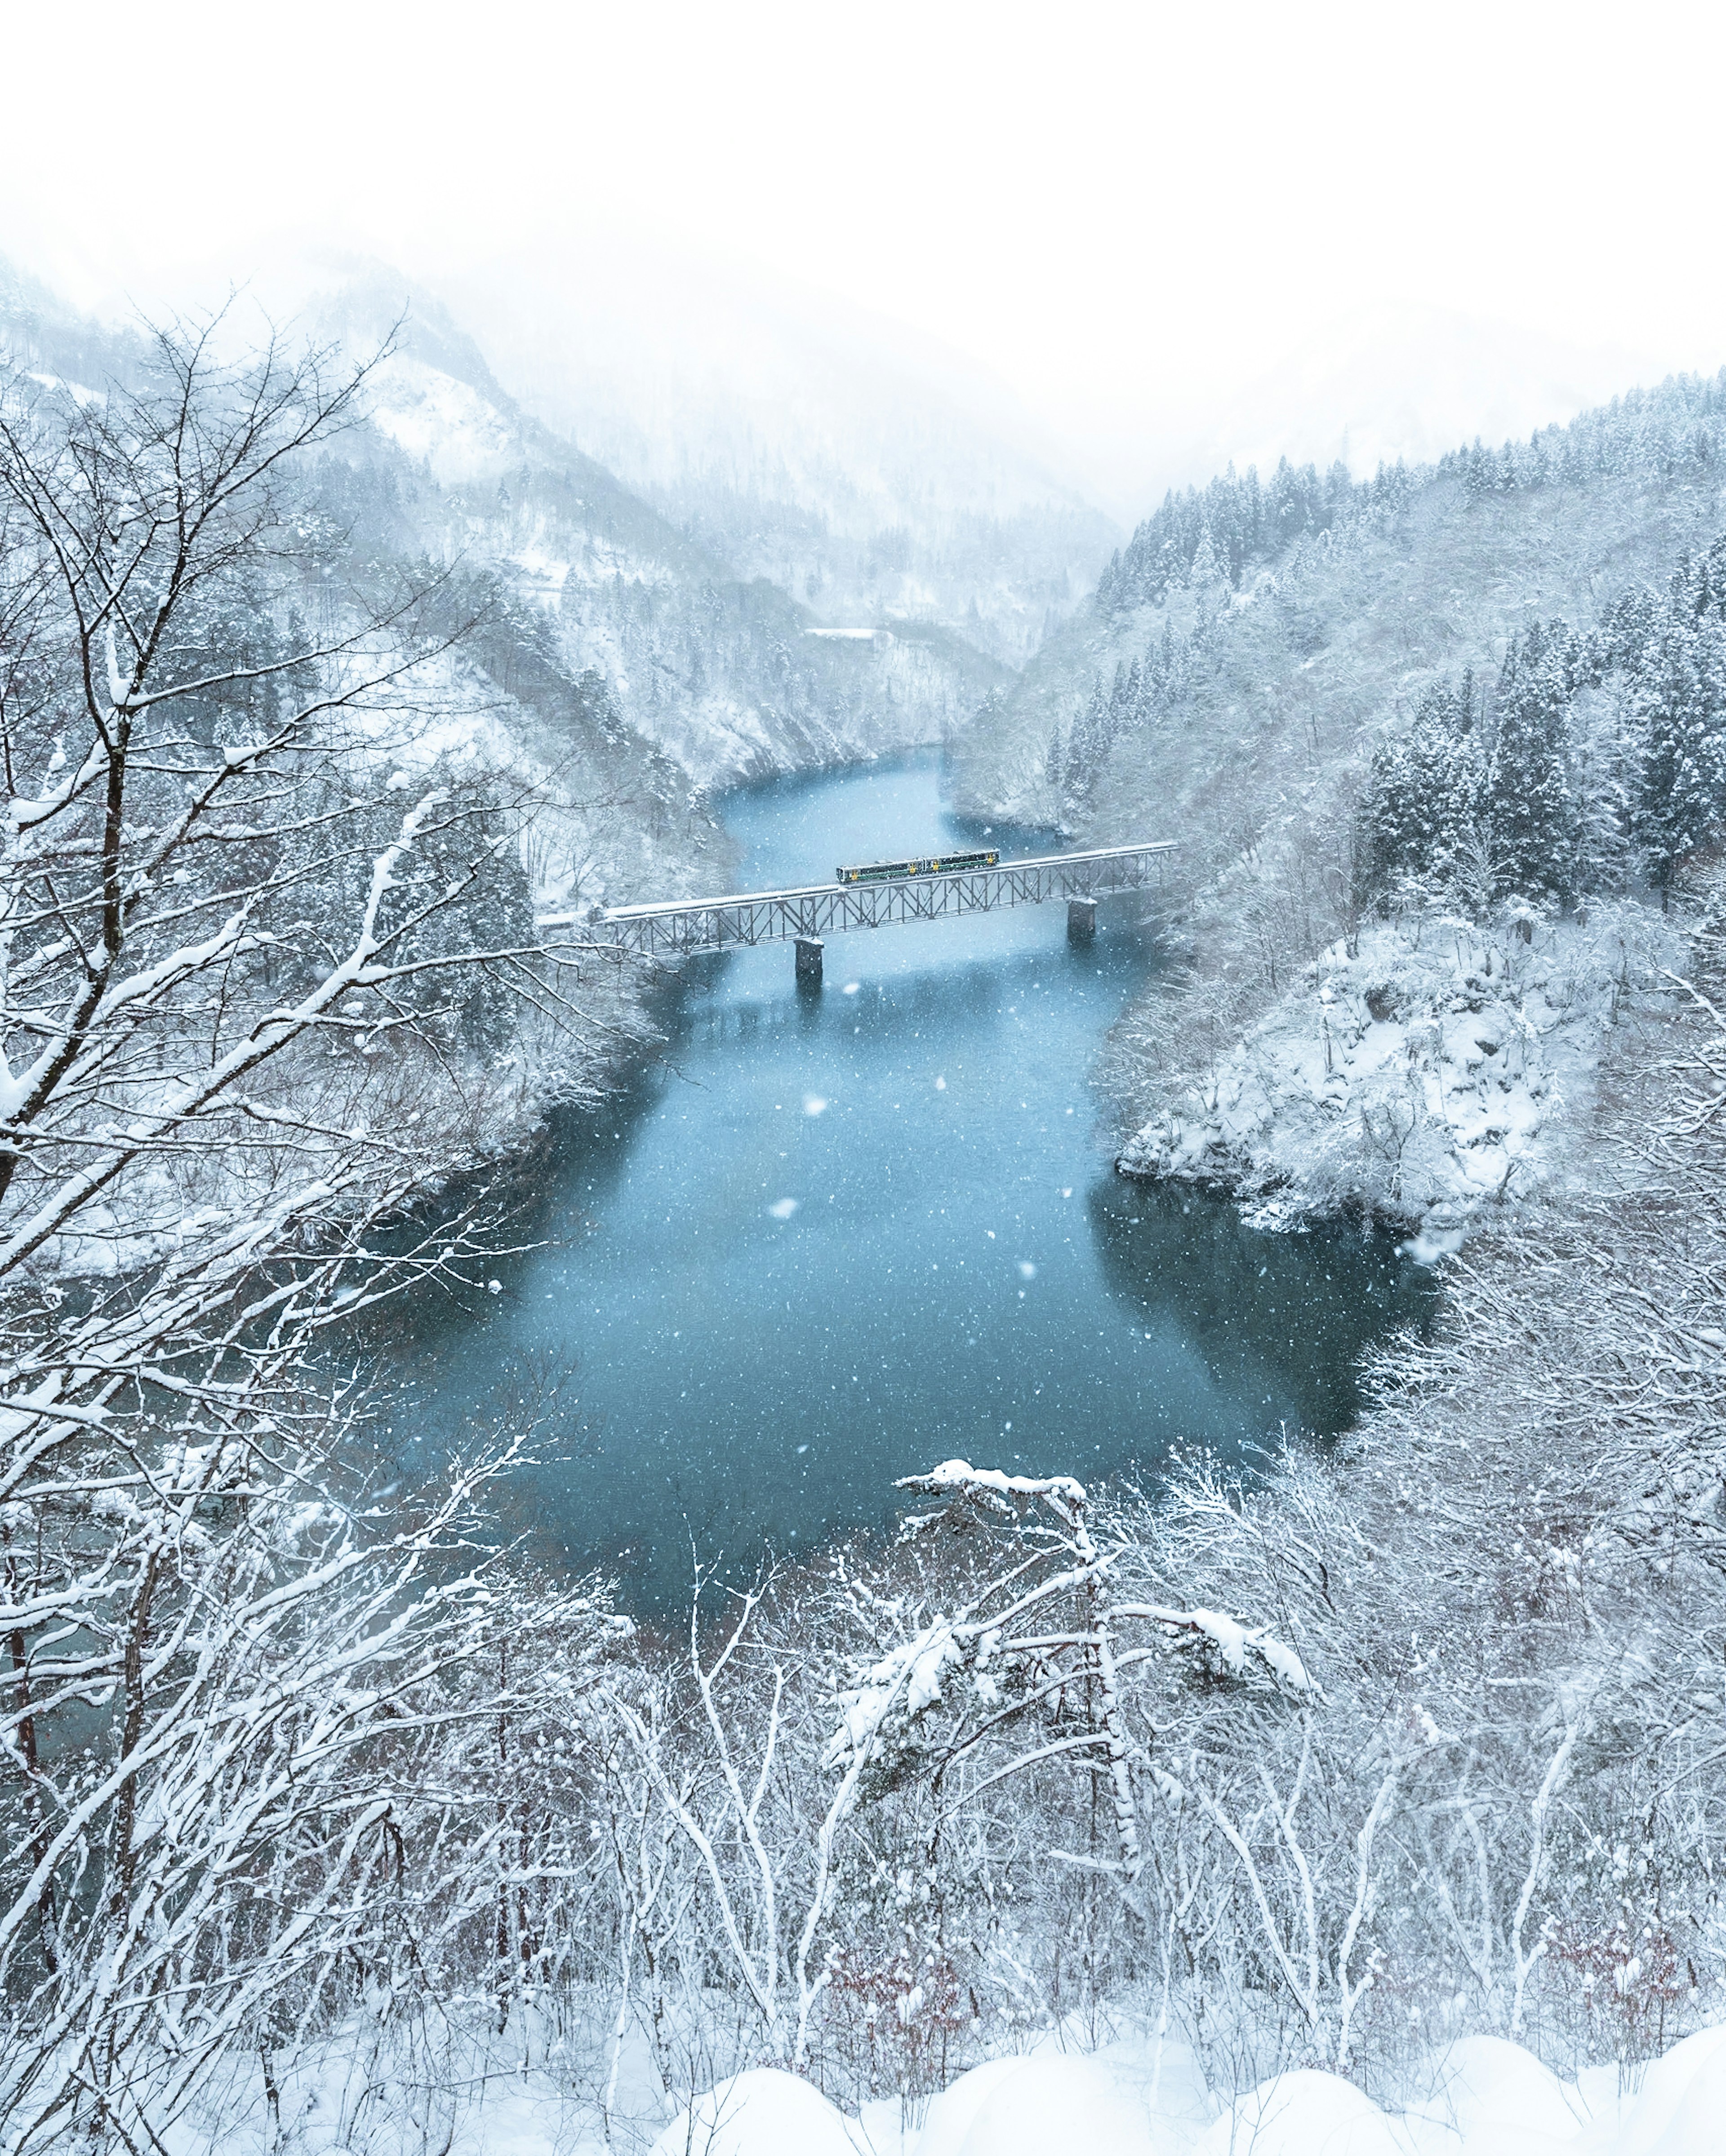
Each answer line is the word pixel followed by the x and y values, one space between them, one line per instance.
pixel 1420 812
pixel 1207 568
pixel 1290 502
pixel 1122 698
pixel 1086 746
pixel 1678 717
pixel 1629 625
pixel 1529 812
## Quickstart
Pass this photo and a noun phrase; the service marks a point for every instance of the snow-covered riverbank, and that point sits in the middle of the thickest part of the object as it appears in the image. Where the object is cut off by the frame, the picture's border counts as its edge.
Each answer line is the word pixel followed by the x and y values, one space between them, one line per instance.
pixel 1438 1069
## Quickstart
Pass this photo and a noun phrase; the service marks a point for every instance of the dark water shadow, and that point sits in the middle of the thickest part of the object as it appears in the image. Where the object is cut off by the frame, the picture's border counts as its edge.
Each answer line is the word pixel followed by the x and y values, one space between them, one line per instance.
pixel 1281 1319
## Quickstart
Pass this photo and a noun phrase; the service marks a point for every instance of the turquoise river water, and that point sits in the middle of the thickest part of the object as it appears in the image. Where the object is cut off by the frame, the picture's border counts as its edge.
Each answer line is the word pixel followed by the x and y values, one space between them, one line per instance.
pixel 822 1242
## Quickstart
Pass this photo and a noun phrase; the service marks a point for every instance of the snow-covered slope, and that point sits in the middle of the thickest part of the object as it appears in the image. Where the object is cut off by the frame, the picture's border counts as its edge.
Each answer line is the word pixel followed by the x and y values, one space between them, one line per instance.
pixel 725 674
pixel 724 671
pixel 1139 2095
pixel 1434 1070
pixel 1234 701
pixel 1482 2097
pixel 868 473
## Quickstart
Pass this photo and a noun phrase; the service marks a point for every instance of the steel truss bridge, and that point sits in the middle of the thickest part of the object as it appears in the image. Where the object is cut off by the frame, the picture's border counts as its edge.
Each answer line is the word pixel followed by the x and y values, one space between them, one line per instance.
pixel 807 915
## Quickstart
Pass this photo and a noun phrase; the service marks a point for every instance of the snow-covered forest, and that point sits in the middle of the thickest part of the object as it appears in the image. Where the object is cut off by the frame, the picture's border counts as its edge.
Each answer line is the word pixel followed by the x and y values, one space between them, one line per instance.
pixel 329 1821
pixel 1436 746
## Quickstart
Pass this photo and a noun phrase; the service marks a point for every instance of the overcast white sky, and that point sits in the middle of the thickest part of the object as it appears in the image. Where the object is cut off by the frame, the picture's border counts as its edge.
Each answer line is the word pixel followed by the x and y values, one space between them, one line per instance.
pixel 1117 208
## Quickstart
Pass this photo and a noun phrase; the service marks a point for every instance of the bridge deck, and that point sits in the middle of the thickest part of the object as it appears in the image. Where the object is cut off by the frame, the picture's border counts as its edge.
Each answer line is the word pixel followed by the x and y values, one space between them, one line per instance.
pixel 826 909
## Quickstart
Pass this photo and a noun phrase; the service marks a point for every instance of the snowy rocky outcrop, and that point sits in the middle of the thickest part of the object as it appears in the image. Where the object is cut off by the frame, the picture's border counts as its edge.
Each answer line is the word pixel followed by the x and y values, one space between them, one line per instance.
pixel 1435 1068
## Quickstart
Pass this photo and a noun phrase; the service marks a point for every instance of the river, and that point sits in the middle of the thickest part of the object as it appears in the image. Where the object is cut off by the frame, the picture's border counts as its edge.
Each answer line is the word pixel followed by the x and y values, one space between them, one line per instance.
pixel 824 1241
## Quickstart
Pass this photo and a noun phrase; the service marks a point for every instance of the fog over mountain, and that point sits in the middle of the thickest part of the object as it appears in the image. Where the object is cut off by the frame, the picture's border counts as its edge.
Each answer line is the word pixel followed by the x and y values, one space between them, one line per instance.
pixel 765 406
pixel 1388 381
pixel 863 468
pixel 872 472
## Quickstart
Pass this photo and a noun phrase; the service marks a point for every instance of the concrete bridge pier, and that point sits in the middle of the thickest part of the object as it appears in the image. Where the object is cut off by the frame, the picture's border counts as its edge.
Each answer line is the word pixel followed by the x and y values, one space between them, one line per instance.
pixel 1081 920
pixel 808 963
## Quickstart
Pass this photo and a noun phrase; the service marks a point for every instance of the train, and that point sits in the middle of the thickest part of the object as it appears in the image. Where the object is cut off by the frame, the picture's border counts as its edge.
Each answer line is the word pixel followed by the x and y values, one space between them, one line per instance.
pixel 923 864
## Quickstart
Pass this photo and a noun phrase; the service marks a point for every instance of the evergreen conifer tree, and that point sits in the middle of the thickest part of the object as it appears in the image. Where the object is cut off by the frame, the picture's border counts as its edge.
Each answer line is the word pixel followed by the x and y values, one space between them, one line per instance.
pixel 1678 707
pixel 1420 813
pixel 1530 814
pixel 1206 568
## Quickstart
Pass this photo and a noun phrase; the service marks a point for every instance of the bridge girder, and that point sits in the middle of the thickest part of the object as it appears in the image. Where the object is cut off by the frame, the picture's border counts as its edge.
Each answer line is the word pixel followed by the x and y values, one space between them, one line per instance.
pixel 814 911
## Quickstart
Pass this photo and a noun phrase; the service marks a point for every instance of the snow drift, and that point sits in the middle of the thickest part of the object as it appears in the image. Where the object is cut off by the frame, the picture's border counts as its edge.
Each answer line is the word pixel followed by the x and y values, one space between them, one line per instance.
pixel 1482 2097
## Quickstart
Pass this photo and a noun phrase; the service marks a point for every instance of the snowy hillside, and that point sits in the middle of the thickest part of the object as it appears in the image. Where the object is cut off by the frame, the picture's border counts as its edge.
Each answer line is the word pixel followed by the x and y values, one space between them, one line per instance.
pixel 726 674
pixel 1445 692
pixel 713 662
pixel 1227 677
pixel 870 474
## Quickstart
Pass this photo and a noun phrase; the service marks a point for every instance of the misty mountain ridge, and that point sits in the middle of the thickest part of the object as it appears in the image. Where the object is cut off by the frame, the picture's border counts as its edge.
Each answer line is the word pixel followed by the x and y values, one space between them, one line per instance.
pixel 724 673
pixel 875 474
pixel 872 474
pixel 1281 611
pixel 687 619
pixel 866 469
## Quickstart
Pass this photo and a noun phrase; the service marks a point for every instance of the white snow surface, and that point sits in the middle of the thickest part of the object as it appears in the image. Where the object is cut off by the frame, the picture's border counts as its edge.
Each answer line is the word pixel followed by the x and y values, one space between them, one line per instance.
pixel 1439 1069
pixel 1141 2095
pixel 447 424
pixel 1481 2097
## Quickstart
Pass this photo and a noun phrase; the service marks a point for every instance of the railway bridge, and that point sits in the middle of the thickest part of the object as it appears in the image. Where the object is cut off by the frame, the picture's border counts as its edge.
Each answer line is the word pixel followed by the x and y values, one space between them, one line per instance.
pixel 807 915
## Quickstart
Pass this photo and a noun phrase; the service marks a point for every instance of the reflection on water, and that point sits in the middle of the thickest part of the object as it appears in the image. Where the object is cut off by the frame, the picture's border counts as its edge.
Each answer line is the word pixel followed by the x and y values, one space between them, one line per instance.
pixel 827 1241
pixel 1279 1318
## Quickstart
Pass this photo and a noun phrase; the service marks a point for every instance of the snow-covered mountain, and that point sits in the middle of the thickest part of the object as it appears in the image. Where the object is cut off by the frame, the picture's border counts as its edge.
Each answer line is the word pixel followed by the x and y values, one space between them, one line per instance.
pixel 721 669
pixel 868 473
pixel 614 654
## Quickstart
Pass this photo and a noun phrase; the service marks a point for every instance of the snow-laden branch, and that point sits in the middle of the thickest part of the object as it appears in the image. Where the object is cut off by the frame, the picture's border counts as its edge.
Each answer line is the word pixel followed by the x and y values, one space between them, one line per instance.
pixel 955 1477
pixel 1232 1647
pixel 989 1669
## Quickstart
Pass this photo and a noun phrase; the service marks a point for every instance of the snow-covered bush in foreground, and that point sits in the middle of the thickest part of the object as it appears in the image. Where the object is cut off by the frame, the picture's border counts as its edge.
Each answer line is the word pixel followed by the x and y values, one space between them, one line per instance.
pixel 1145 2096
pixel 1137 2093
pixel 1431 1070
